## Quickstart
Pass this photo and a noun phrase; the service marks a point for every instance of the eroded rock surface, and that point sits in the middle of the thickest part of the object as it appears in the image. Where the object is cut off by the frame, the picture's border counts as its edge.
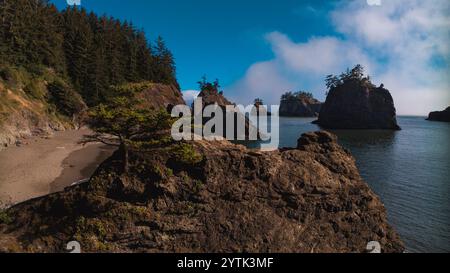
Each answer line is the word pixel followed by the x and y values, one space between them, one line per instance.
pixel 211 197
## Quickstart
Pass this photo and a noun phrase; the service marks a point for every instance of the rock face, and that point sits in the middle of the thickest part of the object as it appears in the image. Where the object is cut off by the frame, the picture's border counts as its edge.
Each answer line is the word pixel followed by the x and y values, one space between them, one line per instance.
pixel 357 105
pixel 440 115
pixel 301 107
pixel 211 197
pixel 213 96
pixel 161 95
pixel 22 117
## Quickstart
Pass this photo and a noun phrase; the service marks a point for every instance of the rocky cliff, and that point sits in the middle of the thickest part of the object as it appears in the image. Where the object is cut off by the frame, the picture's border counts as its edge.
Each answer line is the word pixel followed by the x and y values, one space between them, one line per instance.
pixel 357 104
pixel 27 109
pixel 24 114
pixel 211 197
pixel 161 96
pixel 440 115
pixel 300 107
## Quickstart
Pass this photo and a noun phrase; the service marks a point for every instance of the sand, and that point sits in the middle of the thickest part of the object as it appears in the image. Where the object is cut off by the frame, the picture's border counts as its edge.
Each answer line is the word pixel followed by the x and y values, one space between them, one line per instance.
pixel 47 165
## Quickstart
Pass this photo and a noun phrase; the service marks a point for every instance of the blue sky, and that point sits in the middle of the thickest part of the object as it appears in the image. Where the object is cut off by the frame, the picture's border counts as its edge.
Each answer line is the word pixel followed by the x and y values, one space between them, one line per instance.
pixel 262 48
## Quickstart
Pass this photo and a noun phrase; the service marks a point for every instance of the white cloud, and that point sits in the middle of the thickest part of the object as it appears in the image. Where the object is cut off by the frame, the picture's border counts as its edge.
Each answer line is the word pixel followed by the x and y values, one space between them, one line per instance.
pixel 261 80
pixel 402 43
pixel 318 55
pixel 374 2
pixel 190 95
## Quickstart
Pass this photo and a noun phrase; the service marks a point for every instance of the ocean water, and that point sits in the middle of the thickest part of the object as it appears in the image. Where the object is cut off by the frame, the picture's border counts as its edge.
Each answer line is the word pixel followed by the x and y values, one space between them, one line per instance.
pixel 408 169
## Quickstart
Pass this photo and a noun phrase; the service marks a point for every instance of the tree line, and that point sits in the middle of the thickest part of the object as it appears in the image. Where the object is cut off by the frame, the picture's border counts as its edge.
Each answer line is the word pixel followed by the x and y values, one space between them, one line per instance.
pixel 291 96
pixel 93 52
pixel 354 74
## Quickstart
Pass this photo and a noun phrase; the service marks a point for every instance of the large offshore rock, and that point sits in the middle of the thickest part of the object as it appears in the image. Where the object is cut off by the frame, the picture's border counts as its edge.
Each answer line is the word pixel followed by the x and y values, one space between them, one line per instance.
pixel 301 107
pixel 440 115
pixel 358 105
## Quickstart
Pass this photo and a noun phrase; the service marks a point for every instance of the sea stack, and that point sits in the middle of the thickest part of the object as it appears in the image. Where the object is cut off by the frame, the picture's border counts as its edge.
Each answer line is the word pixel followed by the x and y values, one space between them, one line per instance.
pixel 353 102
pixel 440 115
pixel 299 104
pixel 211 95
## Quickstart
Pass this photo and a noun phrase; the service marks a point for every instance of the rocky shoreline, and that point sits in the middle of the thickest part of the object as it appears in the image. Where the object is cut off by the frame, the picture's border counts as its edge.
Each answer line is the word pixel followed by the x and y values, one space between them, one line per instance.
pixel 211 197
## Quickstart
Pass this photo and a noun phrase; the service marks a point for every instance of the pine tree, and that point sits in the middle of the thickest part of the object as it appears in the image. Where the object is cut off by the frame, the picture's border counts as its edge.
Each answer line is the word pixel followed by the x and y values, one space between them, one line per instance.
pixel 93 52
pixel 122 123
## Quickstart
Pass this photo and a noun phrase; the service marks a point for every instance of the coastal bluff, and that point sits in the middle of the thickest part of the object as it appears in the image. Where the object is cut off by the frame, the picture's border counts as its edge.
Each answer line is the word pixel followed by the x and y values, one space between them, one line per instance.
pixel 22 117
pixel 211 197
pixel 156 95
pixel 443 116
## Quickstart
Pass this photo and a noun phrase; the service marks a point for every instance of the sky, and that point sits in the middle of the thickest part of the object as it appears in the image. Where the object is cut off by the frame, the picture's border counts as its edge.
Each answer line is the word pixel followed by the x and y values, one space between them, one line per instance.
pixel 264 48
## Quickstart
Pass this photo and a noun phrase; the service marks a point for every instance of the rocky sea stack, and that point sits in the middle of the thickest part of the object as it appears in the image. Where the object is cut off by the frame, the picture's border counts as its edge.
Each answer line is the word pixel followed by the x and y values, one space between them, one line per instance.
pixel 440 115
pixel 210 197
pixel 300 104
pixel 353 102
pixel 211 95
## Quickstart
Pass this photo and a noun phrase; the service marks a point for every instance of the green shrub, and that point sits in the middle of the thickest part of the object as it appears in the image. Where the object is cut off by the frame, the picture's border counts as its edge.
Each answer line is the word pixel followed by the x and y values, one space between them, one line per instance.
pixel 12 77
pixel 129 88
pixel 67 101
pixel 35 89
pixel 94 226
pixel 186 154
pixel 5 218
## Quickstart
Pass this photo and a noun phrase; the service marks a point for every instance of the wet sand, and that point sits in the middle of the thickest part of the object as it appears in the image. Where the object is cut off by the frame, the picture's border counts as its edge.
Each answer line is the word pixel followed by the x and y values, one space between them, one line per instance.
pixel 47 165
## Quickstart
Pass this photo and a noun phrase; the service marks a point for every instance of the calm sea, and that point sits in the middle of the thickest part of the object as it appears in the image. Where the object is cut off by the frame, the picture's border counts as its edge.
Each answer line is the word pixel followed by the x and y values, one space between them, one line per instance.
pixel 408 169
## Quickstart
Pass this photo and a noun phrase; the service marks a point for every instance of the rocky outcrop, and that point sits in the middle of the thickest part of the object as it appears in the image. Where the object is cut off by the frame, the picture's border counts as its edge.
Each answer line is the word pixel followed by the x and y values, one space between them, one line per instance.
pixel 357 104
pixel 300 107
pixel 214 97
pixel 211 197
pixel 440 115
pixel 161 96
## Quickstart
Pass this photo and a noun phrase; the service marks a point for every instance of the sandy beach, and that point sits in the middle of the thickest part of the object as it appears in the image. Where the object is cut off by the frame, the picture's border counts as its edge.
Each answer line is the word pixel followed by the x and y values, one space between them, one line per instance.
pixel 47 165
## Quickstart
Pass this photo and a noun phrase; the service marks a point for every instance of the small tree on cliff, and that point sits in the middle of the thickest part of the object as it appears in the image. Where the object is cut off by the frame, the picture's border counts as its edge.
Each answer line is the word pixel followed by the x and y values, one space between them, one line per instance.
pixel 258 102
pixel 207 86
pixel 356 73
pixel 123 123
